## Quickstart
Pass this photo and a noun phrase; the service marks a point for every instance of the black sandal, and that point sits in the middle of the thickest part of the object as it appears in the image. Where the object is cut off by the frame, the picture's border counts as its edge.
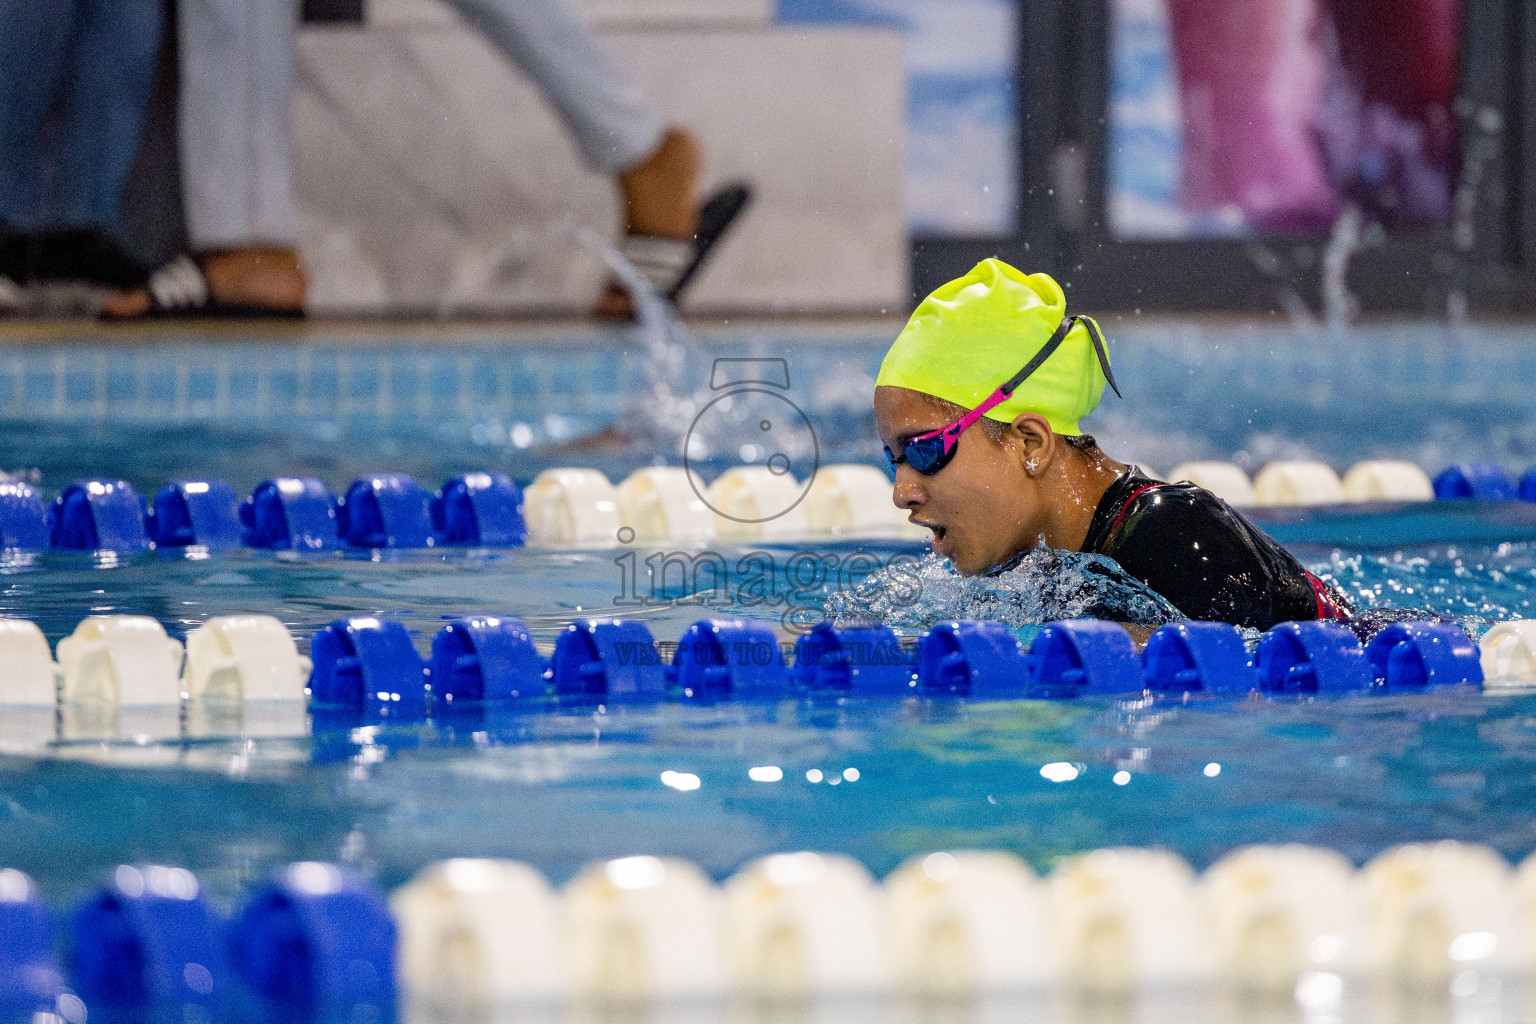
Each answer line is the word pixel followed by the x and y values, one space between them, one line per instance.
pixel 671 264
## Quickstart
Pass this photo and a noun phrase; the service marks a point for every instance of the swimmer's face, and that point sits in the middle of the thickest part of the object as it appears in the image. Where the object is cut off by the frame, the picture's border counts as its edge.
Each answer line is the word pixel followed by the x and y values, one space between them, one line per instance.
pixel 983 507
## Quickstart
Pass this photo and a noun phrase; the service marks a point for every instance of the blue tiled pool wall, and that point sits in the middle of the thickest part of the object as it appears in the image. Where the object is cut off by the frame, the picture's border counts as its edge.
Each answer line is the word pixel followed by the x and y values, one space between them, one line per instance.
pixel 1421 391
pixel 362 384
pixel 244 411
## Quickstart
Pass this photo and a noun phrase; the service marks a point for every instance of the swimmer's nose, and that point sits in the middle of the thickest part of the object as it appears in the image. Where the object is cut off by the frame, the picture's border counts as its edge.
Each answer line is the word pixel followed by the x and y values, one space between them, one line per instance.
pixel 908 492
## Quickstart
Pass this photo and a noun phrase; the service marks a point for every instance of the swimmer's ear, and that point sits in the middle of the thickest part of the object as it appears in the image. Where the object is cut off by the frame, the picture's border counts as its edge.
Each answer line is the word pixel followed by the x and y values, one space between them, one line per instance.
pixel 1030 435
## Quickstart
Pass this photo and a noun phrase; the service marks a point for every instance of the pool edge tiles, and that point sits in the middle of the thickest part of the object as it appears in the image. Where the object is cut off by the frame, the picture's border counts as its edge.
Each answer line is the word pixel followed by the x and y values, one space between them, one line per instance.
pixel 458 332
pixel 216 378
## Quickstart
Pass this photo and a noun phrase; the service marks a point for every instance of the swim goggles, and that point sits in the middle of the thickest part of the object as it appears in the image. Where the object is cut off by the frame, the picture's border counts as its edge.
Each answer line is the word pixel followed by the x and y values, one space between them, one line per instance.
pixel 928 453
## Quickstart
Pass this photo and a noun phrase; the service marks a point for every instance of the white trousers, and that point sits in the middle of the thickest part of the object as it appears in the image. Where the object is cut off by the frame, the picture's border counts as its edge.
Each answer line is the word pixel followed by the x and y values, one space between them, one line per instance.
pixel 237 78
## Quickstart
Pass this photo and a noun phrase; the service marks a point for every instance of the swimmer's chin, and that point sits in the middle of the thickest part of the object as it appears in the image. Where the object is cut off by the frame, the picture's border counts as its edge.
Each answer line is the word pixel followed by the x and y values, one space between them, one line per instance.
pixel 967 570
pixel 963 565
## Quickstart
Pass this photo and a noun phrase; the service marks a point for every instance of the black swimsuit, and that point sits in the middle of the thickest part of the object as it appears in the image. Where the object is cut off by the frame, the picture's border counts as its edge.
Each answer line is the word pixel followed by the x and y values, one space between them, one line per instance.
pixel 1191 547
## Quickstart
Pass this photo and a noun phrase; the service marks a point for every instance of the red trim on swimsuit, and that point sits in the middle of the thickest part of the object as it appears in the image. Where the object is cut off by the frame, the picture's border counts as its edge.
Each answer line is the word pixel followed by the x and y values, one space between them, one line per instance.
pixel 1127 506
pixel 1326 608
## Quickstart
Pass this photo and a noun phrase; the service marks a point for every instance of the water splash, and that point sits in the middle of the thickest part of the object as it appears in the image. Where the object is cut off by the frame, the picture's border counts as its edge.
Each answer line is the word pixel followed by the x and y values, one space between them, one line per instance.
pixel 1474 586
pixel 1046 585
pixel 675 362
pixel 1339 305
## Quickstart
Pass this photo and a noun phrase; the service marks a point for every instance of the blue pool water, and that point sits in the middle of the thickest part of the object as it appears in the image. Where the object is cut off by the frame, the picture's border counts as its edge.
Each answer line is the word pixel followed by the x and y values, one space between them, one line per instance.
pixel 560 786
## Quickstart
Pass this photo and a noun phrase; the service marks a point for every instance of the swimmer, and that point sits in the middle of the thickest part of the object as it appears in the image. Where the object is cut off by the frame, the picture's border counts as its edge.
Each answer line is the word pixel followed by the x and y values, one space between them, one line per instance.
pixel 978 403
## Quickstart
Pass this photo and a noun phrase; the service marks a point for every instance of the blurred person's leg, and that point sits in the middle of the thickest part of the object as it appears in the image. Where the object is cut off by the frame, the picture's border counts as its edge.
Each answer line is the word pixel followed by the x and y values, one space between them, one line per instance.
pixel 614 124
pixel 236 150
pixel 616 128
pixel 34 37
pixel 34 42
pixel 110 73
pixel 75 77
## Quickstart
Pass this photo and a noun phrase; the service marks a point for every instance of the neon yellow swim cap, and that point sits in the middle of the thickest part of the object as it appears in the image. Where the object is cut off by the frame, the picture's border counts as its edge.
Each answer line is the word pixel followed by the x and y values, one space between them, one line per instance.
pixel 977 331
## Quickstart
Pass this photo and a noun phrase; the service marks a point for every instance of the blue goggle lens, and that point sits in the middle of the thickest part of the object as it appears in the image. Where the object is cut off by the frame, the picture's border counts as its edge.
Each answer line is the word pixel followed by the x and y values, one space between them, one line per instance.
pixel 927 456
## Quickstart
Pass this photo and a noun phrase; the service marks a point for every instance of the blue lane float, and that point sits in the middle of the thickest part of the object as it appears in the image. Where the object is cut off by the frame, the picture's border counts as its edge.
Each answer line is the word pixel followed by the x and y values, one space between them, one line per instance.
pixel 205 513
pixel 290 513
pixel 1312 657
pixel 389 510
pixel 23 517
pixel 1082 656
pixel 148 939
pixel 485 658
pixel 981 660
pixel 722 659
pixel 1205 657
pixel 317 943
pixel 863 661
pixel 1483 481
pixel 368 664
pixel 479 510
pixel 30 980
pixel 1407 657
pixel 607 659
pixel 98 515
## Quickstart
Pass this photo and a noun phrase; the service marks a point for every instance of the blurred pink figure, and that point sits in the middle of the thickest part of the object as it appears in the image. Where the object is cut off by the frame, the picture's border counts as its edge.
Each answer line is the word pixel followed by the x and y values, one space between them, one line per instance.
pixel 1251 76
pixel 1388 127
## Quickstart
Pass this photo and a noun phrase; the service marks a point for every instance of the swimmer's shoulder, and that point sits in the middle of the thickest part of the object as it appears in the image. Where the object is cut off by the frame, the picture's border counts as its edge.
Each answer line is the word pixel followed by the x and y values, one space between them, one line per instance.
pixel 1157 517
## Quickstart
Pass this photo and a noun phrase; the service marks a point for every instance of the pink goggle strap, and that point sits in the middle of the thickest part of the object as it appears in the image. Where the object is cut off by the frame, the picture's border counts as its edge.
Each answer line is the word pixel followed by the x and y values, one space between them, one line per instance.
pixel 953 431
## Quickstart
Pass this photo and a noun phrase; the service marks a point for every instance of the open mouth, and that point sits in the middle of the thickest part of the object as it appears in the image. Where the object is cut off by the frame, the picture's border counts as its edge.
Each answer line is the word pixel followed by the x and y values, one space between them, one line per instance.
pixel 938 531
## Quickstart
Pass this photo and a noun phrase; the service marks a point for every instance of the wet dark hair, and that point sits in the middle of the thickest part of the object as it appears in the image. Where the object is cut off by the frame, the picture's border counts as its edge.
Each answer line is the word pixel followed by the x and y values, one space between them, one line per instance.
pixel 1082 442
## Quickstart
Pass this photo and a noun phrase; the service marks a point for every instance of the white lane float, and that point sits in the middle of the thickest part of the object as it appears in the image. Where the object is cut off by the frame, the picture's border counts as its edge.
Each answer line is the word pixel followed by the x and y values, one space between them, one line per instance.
pixel 1123 919
pixel 1434 910
pixel 1509 655
pixel 235 659
pixel 477 932
pixel 804 925
pixel 1223 479
pixel 571 508
pixel 662 504
pixel 643 929
pixel 1297 482
pixel 1275 913
pixel 965 923
pixel 120 661
pixel 756 504
pixel 854 501
pixel 29 677
pixel 244 676
pixel 1387 480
